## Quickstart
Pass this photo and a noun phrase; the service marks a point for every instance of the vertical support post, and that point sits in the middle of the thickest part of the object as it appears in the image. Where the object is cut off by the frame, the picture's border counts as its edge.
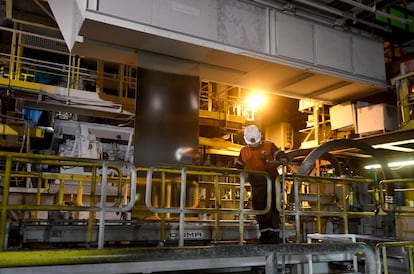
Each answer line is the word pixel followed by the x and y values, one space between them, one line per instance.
pixel 4 202
pixel 68 85
pixel 241 207
pixel 99 76
pixel 410 258
pixel 12 65
pixel 38 194
pixel 318 217
pixel 122 90
pixel 316 123
pixel 217 204
pixel 101 232
pixel 182 204
pixel 271 263
pixel 162 205
pixel 384 259
pixel 61 192
pixel 92 204
pixel 19 53
pixel 77 73
pixel 296 208
pixel 79 200
pixel 345 208
pixel 282 200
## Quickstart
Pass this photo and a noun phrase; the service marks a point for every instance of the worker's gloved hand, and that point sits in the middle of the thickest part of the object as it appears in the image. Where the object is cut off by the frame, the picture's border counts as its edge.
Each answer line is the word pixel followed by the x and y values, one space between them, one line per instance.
pixel 281 157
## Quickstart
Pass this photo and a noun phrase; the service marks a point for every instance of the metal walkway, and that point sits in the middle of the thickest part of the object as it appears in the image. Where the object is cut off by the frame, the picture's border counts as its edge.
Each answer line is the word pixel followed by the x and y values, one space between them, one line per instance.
pixel 149 260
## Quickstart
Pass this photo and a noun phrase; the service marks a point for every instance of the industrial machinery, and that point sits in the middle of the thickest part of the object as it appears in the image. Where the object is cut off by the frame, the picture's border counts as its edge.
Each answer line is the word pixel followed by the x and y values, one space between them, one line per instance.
pixel 111 167
pixel 90 195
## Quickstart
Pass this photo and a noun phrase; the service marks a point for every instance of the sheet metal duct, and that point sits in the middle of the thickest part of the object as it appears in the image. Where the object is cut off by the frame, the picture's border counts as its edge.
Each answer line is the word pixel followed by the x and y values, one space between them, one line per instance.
pixel 167 119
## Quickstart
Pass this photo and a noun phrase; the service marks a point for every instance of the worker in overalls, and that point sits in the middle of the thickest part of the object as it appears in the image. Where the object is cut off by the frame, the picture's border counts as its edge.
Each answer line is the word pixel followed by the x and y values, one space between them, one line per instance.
pixel 261 155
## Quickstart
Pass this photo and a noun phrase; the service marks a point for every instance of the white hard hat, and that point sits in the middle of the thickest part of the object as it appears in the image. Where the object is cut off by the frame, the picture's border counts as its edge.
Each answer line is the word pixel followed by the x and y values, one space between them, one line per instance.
pixel 252 135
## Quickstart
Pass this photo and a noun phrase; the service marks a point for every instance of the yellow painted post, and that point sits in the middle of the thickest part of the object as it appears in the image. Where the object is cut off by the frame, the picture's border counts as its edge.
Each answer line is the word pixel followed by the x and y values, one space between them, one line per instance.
pixel 38 195
pixel 61 192
pixel 384 259
pixel 121 82
pixel 77 73
pixel 19 54
pixel 217 203
pixel 410 258
pixel 345 207
pixel 72 72
pixel 99 76
pixel 13 53
pixel 318 217
pixel 79 201
pixel 5 201
pixel 162 205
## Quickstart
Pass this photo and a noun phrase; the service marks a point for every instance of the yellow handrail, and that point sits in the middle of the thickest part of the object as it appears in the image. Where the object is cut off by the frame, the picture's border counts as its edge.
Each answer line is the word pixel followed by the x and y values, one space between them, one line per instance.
pixel 382 248
pixel 296 198
pixel 389 204
pixel 98 184
pixel 183 172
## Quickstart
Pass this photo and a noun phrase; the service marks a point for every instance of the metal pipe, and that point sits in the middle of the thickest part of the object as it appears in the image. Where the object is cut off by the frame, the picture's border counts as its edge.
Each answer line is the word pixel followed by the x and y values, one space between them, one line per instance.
pixel 374 10
pixel 359 5
pixel 340 13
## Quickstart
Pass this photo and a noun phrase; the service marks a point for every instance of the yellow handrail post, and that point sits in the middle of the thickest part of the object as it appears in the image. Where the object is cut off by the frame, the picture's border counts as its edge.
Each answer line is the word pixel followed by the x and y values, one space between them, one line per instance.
pixel 5 201
pixel 410 259
pixel 318 218
pixel 345 208
pixel 61 192
pixel 38 195
pixel 217 206
pixel 162 204
pixel 79 200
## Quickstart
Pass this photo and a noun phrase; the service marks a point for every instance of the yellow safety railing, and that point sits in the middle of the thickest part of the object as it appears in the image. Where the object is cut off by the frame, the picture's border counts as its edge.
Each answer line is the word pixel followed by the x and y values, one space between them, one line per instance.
pixel 400 187
pixel 381 249
pixel 19 168
pixel 182 175
pixel 332 203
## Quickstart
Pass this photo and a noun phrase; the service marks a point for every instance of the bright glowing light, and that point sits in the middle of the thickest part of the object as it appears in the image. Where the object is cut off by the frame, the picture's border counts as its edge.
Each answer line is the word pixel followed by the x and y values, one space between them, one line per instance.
pixel 256 100
pixel 392 164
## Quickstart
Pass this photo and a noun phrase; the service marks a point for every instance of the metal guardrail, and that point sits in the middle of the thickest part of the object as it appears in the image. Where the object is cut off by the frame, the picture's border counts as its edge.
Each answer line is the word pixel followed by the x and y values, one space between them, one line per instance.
pixel 398 187
pixel 381 248
pixel 99 181
pixel 216 173
pixel 296 198
pixel 123 201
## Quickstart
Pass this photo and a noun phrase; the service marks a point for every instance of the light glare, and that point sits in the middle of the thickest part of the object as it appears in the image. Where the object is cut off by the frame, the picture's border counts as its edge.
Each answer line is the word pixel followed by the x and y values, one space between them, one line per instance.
pixel 256 100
